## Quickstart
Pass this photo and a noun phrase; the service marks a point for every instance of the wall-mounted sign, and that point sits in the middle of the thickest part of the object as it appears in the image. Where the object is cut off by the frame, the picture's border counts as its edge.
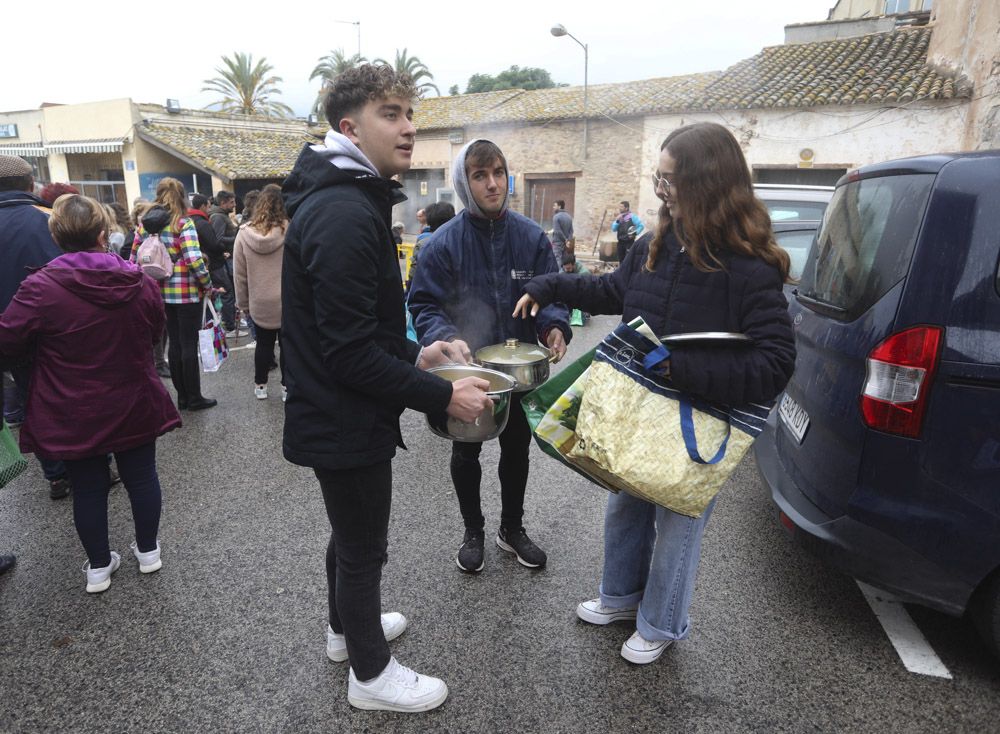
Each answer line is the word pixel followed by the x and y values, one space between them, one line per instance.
pixel 423 188
pixel 510 184
pixel 8 130
pixel 129 165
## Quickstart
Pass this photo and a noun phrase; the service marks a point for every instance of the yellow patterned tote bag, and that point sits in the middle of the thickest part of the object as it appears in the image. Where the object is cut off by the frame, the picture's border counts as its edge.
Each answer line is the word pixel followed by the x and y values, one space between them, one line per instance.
pixel 640 434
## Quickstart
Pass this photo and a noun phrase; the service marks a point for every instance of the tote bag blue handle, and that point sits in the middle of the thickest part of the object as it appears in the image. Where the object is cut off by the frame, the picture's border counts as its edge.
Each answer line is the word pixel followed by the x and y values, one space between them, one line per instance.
pixel 691 442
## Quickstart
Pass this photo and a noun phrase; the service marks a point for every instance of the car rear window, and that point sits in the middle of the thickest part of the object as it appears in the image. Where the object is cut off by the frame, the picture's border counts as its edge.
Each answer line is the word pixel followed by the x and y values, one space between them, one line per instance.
pixel 864 244
pixel 795 211
pixel 796 243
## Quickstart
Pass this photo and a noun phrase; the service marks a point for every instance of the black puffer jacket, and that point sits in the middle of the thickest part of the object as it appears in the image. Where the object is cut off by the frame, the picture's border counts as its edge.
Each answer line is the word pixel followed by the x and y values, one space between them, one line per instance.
pixel 677 298
pixel 348 364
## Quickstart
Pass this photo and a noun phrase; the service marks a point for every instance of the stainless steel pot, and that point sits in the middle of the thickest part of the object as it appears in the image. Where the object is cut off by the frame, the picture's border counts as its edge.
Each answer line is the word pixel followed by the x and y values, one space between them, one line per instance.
pixel 528 364
pixel 490 423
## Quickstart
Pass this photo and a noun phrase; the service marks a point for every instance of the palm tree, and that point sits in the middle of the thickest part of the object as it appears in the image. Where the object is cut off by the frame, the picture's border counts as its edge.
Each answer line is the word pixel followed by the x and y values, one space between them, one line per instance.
pixel 246 87
pixel 413 66
pixel 329 68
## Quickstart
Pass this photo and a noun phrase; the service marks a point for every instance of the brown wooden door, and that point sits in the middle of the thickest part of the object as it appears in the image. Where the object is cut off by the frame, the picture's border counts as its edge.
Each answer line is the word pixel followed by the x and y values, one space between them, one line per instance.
pixel 542 192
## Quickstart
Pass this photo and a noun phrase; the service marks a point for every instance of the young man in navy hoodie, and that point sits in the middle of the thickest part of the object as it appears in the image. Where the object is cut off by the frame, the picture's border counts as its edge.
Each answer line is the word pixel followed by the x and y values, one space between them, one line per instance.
pixel 349 368
pixel 472 271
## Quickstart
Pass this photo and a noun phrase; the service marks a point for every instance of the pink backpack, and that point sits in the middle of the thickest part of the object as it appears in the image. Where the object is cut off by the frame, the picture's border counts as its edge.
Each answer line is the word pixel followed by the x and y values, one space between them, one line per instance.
pixel 153 258
pixel 152 255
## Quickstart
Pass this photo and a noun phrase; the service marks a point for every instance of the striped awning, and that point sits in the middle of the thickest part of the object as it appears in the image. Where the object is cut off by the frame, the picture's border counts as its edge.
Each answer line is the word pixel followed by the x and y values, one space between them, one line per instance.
pixel 84 146
pixel 32 150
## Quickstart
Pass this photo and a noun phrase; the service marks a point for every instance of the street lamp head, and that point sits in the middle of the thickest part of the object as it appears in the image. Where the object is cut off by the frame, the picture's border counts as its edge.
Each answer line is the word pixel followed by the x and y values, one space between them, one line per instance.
pixel 558 30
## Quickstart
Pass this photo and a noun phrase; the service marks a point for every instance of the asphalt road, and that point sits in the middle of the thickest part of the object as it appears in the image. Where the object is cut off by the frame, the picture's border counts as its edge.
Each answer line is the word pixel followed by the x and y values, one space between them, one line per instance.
pixel 229 636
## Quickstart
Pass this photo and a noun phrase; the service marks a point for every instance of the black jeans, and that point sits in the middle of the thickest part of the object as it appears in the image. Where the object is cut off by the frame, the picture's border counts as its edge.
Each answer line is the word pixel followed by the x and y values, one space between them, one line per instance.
pixel 91 479
pixel 183 323
pixel 263 355
pixel 466 472
pixel 221 279
pixel 358 503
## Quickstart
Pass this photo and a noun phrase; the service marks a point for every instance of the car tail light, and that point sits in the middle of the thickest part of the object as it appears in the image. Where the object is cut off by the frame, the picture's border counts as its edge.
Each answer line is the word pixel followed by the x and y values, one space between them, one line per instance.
pixel 900 371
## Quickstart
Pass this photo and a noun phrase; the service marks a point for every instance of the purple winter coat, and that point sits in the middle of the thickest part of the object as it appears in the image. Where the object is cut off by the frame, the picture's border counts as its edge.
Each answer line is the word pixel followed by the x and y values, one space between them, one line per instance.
pixel 88 320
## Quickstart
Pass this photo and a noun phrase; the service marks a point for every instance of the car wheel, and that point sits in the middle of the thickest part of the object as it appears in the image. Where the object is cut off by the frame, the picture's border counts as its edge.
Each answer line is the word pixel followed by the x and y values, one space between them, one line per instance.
pixel 985 611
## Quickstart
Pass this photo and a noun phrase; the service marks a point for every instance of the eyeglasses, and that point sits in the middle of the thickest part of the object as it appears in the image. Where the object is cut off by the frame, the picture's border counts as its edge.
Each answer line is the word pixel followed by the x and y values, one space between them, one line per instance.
pixel 662 181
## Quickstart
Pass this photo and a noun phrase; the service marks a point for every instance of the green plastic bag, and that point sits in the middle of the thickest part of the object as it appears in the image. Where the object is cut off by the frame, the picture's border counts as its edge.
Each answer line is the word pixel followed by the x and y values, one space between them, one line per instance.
pixel 12 462
pixel 551 412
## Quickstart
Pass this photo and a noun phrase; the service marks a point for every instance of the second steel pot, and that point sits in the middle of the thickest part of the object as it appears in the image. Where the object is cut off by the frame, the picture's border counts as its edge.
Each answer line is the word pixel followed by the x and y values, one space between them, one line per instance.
pixel 528 364
pixel 487 426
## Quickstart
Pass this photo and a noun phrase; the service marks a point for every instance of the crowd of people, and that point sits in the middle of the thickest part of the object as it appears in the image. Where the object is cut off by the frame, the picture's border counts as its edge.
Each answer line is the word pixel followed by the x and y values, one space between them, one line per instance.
pixel 315 263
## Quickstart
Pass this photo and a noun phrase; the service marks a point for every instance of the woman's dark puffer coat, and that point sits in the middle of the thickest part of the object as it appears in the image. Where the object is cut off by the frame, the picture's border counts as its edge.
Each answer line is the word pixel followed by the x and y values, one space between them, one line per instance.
pixel 677 298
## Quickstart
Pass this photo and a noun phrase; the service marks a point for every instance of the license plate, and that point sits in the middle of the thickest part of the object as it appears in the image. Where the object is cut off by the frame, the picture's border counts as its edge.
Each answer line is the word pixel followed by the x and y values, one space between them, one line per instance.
pixel 796 420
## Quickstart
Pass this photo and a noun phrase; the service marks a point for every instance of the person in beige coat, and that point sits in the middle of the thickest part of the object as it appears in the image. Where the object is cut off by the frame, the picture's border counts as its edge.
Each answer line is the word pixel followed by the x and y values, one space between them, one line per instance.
pixel 257 255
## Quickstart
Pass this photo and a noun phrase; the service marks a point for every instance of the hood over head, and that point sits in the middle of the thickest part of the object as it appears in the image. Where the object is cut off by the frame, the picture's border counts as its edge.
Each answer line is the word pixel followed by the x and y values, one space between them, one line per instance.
pixel 460 182
pixel 99 278
pixel 263 244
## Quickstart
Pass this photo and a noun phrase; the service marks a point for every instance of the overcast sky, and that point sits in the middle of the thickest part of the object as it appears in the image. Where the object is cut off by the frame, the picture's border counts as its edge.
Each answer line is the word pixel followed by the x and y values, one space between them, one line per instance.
pixel 84 52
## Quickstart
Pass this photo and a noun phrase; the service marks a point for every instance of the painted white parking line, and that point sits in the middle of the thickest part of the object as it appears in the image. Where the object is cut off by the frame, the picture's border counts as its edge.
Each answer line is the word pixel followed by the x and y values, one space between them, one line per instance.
pixel 911 645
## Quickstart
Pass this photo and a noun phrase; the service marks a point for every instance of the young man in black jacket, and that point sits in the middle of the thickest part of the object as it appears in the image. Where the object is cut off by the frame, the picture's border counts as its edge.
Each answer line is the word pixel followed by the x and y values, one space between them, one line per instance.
pixel 349 368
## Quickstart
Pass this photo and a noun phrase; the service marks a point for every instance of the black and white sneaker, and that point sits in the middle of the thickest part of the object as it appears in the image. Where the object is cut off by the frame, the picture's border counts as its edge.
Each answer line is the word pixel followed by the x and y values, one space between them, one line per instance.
pixel 517 541
pixel 470 555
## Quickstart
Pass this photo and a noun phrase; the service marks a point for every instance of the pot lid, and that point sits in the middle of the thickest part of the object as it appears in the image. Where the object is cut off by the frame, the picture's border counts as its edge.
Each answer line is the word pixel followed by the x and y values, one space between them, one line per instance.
pixel 512 352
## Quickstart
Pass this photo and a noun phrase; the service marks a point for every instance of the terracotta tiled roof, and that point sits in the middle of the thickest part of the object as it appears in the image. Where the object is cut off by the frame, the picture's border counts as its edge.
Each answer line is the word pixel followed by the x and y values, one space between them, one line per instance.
pixel 233 153
pixel 881 68
pixel 621 100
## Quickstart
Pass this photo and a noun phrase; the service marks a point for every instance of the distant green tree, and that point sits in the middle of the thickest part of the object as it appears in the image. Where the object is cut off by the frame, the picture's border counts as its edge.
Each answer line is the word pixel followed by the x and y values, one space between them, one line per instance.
pixel 453 90
pixel 413 66
pixel 246 87
pixel 329 68
pixel 513 78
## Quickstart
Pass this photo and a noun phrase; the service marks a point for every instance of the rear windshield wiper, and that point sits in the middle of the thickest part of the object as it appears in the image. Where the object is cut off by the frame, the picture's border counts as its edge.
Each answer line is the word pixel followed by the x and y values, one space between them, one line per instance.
pixel 816 302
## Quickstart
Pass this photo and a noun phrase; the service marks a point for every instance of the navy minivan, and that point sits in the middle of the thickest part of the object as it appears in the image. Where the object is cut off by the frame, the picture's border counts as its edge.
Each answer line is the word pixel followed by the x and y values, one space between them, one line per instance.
pixel 883 455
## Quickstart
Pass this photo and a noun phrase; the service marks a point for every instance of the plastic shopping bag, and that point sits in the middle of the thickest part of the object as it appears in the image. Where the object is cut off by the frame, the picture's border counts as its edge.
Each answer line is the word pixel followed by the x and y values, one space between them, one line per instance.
pixel 212 349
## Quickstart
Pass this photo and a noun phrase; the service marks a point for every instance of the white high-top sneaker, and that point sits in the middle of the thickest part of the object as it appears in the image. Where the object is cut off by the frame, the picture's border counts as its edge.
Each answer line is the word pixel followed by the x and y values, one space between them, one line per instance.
pixel 99 579
pixel 397 688
pixel 393 625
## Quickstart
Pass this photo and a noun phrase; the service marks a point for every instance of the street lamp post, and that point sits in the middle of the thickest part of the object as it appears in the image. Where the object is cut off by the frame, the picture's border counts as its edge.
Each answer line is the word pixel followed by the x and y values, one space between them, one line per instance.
pixel 355 23
pixel 560 30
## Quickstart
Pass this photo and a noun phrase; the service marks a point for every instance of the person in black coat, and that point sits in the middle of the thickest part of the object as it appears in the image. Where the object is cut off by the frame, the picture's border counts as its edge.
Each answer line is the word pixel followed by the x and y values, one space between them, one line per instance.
pixel 349 368
pixel 712 265
pixel 215 258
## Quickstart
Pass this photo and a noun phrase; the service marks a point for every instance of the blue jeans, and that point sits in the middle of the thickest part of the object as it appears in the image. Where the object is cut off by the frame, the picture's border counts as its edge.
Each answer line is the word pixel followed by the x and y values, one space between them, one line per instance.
pixel 651 559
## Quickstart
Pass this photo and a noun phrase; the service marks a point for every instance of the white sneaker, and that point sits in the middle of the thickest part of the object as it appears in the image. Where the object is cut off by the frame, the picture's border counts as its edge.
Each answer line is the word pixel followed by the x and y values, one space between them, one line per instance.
pixel 149 561
pixel 596 613
pixel 99 579
pixel 284 394
pixel 397 688
pixel 393 625
pixel 260 392
pixel 637 649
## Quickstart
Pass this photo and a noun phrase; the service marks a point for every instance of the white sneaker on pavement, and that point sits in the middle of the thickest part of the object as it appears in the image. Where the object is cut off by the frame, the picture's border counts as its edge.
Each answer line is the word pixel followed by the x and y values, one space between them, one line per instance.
pixel 637 649
pixel 99 579
pixel 397 688
pixel 149 561
pixel 260 392
pixel 393 625
pixel 596 613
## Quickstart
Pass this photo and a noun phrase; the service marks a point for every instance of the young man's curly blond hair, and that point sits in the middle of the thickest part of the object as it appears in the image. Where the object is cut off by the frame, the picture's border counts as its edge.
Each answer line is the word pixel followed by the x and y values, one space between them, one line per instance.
pixel 350 91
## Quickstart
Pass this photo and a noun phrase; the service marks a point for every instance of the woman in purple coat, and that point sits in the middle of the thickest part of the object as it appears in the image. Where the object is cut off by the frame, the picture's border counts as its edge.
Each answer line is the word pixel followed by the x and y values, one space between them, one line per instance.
pixel 90 320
